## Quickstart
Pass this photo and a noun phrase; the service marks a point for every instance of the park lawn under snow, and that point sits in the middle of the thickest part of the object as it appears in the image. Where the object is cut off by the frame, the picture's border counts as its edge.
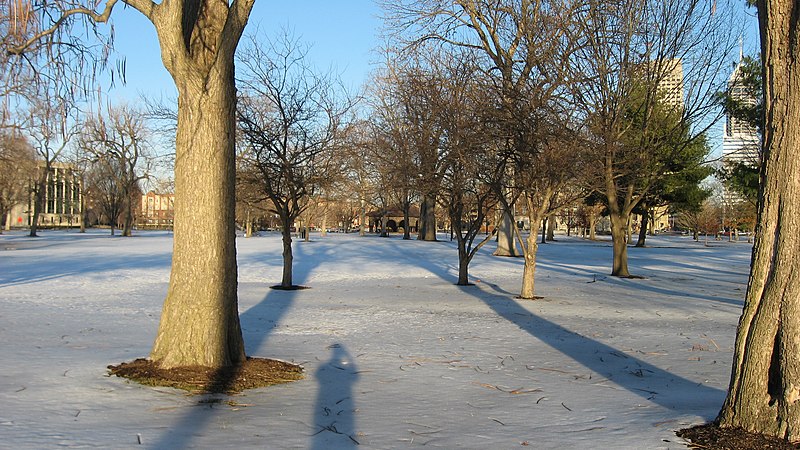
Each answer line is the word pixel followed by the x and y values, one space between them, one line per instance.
pixel 396 355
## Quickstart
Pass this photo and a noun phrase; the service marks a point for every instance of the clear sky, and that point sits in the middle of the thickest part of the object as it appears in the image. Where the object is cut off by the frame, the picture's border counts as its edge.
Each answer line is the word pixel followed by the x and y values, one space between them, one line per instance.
pixel 341 33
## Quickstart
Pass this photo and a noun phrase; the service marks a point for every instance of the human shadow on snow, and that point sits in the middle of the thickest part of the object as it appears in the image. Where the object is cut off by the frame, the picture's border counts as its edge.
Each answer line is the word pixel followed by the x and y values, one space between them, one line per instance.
pixel 334 408
pixel 258 323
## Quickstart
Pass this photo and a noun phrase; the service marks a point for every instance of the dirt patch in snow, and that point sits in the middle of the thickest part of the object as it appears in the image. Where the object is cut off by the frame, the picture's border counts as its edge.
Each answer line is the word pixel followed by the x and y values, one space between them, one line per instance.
pixel 711 436
pixel 253 373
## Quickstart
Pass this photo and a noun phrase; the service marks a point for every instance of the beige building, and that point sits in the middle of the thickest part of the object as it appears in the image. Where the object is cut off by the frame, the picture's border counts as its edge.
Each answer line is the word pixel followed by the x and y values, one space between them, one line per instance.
pixel 157 210
pixel 671 84
pixel 62 200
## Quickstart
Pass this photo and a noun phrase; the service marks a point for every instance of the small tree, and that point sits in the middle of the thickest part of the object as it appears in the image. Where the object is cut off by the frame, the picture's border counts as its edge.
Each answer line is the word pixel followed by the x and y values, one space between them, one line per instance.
pixel 290 120
pixel 117 145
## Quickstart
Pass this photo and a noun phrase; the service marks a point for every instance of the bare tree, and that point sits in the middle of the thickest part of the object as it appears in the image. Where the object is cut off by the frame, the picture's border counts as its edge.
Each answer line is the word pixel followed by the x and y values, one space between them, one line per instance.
pixel 50 124
pixel 200 323
pixel 118 147
pixel 521 46
pixel 291 120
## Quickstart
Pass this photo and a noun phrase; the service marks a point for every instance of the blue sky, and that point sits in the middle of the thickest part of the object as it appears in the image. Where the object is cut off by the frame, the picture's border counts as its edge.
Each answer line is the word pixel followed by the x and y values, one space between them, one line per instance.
pixel 342 36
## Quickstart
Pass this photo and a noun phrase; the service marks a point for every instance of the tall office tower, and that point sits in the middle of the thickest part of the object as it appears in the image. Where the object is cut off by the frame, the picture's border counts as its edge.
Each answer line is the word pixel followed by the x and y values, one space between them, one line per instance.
pixel 740 141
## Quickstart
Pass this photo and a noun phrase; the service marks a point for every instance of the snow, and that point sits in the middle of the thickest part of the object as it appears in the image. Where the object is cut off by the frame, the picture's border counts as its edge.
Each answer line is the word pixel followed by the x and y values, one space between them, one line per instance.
pixel 396 355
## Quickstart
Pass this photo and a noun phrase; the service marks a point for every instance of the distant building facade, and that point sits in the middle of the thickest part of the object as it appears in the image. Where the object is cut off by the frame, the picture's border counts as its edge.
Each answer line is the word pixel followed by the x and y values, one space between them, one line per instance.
pixel 157 210
pixel 62 200
pixel 741 141
pixel 670 86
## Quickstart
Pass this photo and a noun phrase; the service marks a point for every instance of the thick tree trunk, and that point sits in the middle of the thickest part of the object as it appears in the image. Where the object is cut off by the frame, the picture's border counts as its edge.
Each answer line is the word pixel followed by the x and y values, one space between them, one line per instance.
pixel 127 221
pixel 288 257
pixel 592 226
pixel 643 228
pixel 463 262
pixel 427 218
pixel 551 227
pixel 200 319
pixel 529 270
pixel 619 233
pixel 506 243
pixel 764 393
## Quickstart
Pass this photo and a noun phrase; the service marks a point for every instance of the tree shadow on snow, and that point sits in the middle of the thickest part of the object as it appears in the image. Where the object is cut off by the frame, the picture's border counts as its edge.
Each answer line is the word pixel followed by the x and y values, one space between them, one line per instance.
pixel 626 371
pixel 257 323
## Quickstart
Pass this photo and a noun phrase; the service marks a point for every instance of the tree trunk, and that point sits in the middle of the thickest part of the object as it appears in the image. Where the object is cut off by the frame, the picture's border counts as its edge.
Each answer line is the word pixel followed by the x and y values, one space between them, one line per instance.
pixel 200 319
pixel 384 225
pixel 362 216
pixel 619 231
pixel 529 270
pixel 592 226
pixel 643 227
pixel 127 217
pixel 765 380
pixel 406 220
pixel 83 209
pixel 38 201
pixel 248 225
pixel 551 228
pixel 288 258
pixel 427 218
pixel 544 230
pixel 463 266
pixel 506 245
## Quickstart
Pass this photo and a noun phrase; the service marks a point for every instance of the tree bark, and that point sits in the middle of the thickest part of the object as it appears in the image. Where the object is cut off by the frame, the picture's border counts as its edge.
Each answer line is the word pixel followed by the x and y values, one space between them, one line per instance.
pixel 619 232
pixel 200 319
pixel 288 257
pixel 506 245
pixel 427 218
pixel 529 269
pixel 640 242
pixel 764 393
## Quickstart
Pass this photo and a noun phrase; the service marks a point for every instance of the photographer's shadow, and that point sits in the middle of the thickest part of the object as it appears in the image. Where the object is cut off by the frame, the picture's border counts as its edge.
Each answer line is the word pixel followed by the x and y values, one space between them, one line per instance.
pixel 334 410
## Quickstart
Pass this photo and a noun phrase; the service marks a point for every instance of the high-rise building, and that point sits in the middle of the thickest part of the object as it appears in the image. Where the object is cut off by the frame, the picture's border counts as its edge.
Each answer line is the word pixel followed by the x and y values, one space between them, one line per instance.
pixel 670 86
pixel 740 141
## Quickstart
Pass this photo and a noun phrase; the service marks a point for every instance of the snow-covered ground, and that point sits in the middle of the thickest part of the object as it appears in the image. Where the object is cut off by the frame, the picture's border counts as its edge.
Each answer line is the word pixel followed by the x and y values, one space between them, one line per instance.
pixel 396 355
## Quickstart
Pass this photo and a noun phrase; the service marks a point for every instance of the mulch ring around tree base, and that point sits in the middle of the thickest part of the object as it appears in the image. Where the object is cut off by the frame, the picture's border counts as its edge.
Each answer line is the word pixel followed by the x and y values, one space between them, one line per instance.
pixel 711 436
pixel 253 373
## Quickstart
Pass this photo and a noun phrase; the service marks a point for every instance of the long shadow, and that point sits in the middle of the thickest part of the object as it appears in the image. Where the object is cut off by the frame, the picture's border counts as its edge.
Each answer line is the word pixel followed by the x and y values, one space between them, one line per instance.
pixel 334 409
pixel 626 371
pixel 16 271
pixel 257 324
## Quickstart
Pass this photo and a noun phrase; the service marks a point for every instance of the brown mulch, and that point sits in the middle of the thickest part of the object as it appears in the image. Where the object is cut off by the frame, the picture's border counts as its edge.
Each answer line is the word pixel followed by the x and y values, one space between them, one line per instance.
pixel 710 436
pixel 253 373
